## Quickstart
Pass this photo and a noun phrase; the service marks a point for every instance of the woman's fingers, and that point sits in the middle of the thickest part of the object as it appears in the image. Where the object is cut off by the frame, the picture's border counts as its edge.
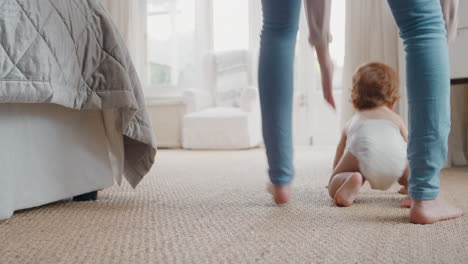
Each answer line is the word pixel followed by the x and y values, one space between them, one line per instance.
pixel 328 95
pixel 331 100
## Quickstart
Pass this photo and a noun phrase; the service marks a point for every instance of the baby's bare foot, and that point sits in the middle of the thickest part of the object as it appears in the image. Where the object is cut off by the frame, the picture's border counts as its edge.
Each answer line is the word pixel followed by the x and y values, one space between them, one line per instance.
pixel 281 194
pixel 403 190
pixel 431 211
pixel 347 193
pixel 406 203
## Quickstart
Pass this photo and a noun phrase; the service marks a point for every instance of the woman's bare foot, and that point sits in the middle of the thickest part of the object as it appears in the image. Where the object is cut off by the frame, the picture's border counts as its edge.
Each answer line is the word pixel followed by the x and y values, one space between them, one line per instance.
pixel 406 203
pixel 431 211
pixel 347 193
pixel 281 194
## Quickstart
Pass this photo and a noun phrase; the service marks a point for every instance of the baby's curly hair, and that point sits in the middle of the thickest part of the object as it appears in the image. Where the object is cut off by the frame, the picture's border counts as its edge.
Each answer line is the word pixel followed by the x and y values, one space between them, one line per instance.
pixel 374 84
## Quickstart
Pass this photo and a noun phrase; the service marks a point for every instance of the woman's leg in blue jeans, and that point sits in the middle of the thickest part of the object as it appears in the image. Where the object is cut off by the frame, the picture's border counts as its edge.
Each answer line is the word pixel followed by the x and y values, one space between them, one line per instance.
pixel 422 29
pixel 276 75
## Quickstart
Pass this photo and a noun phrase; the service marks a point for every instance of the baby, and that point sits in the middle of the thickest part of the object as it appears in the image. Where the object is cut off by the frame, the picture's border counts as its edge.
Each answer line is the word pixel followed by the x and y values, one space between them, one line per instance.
pixel 373 143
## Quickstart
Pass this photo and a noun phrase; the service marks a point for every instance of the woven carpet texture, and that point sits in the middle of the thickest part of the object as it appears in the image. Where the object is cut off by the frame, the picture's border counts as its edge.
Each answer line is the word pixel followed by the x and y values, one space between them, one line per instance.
pixel 212 207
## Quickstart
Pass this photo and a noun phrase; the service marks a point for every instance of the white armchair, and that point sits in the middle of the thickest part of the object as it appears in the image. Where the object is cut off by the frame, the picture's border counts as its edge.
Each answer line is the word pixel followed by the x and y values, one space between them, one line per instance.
pixel 226 115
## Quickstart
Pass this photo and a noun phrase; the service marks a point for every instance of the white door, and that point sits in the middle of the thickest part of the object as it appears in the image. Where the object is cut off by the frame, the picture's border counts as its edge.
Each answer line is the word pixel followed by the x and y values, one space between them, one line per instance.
pixel 315 123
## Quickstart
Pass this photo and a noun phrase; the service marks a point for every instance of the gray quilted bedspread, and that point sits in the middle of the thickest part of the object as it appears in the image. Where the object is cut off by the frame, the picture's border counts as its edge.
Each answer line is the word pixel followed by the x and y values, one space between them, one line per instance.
pixel 68 52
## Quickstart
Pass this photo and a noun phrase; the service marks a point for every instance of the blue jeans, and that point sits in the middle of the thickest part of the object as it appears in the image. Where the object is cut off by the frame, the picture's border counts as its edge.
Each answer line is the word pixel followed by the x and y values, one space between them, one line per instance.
pixel 422 29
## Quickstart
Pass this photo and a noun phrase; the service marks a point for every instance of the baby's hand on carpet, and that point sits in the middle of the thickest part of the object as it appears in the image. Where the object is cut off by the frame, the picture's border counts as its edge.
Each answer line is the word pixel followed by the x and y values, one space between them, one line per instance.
pixel 406 203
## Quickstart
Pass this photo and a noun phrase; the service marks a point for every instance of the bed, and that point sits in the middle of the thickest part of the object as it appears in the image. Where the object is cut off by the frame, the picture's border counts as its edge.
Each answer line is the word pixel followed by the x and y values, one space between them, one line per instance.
pixel 40 146
pixel 72 113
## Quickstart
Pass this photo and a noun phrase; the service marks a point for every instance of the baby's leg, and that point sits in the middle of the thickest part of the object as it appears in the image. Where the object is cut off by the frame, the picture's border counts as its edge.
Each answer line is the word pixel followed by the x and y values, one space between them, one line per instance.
pixel 346 181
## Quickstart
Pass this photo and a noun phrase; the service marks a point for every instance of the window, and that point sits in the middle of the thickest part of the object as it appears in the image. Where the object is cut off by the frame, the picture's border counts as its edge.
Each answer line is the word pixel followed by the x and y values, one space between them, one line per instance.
pixel 171 34
pixel 230 24
pixel 178 37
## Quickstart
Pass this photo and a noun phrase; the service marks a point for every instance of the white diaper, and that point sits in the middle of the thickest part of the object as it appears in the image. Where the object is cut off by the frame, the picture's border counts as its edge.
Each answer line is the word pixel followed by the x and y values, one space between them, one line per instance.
pixel 380 150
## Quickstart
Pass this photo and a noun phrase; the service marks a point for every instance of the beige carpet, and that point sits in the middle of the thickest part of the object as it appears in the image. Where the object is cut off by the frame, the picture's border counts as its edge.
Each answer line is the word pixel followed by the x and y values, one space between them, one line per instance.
pixel 211 207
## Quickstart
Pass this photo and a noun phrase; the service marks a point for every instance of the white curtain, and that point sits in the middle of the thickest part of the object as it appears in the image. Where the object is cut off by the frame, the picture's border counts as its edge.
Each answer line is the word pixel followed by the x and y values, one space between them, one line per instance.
pixel 130 17
pixel 371 35
pixel 458 140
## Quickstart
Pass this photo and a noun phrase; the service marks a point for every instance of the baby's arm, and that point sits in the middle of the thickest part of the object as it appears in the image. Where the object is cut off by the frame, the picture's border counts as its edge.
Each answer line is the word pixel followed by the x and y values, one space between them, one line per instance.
pixel 403 130
pixel 340 150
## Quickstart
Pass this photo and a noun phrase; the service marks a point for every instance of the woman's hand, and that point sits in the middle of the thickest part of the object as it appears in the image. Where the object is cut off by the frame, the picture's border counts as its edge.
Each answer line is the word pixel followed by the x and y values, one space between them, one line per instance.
pixel 327 84
pixel 326 70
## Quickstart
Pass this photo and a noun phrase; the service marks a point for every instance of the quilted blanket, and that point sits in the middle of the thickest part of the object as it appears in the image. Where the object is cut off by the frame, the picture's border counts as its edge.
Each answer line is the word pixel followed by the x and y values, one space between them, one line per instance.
pixel 69 52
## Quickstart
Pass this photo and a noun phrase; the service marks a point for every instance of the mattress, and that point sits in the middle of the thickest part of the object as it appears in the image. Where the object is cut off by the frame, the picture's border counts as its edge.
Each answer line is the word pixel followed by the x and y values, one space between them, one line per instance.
pixel 50 153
